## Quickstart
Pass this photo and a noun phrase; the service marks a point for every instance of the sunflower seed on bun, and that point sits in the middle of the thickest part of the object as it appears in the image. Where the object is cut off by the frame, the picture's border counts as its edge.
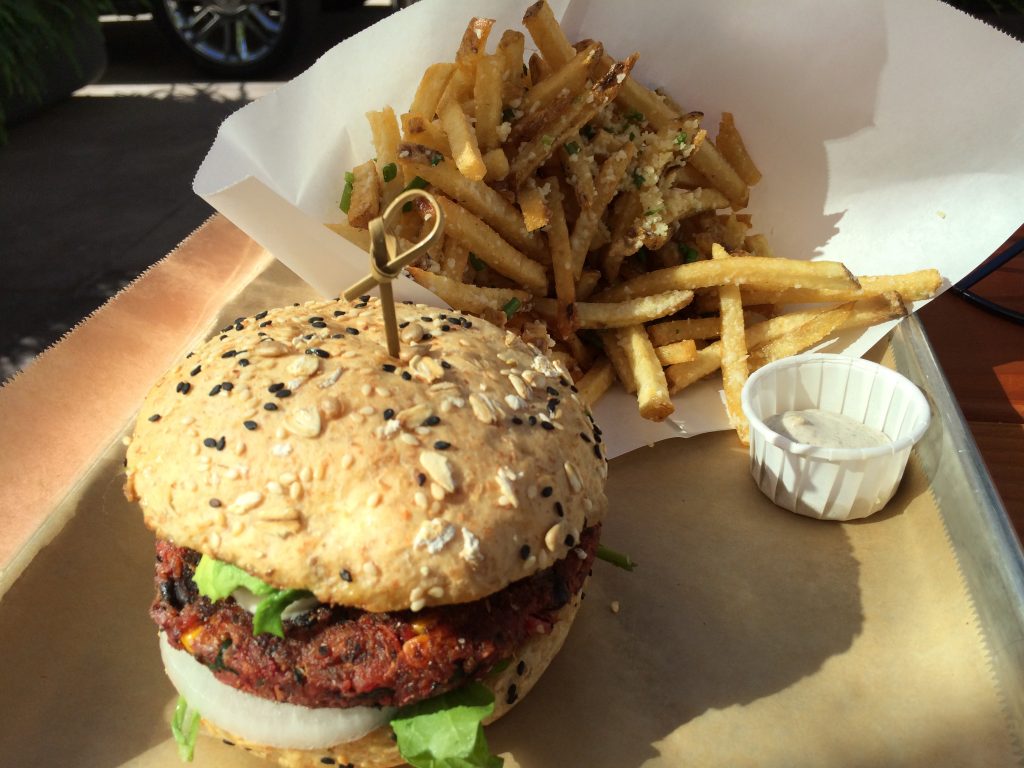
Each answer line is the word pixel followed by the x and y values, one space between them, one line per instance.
pixel 420 527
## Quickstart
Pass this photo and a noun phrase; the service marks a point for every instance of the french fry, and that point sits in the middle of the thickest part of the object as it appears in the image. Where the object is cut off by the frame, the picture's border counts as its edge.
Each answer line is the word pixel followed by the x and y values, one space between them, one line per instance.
pixel 734 350
pixel 419 130
pixel 757 245
pixel 432 85
pixel 711 165
pixel 536 213
pixel 497 164
pixel 608 181
pixel 617 355
pixel 538 69
pixel 677 352
pixel 511 49
pixel 468 298
pixel 571 78
pixel 624 237
pixel 734 151
pixel 561 263
pixel 358 237
pixel 581 353
pixel 651 386
pixel 454 259
pixel 492 249
pixel 804 337
pixel 474 41
pixel 384 127
pixel 534 152
pixel 596 381
pixel 579 166
pixel 911 286
pixel 690 328
pixel 476 196
pixel 760 272
pixel 487 101
pixel 547 35
pixel 365 200
pixel 587 284
pixel 462 139
pixel 618 314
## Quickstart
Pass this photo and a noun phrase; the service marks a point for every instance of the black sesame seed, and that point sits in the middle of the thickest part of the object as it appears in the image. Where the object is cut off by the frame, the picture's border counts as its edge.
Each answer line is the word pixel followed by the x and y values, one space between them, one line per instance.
pixel 250 425
pixel 316 319
pixel 431 421
pixel 321 324
pixel 427 336
pixel 404 324
pixel 563 381
pixel 353 331
pixel 221 443
pixel 444 363
pixel 243 362
pixel 468 324
pixel 283 393
pixel 570 540
pixel 277 386
pixel 309 336
pixel 597 437
pixel 533 421
pixel 597 451
pixel 265 323
pixel 360 305
pixel 365 297
pixel 406 375
pixel 426 319
pixel 216 390
pixel 546 491
pixel 318 352
pixel 210 442
pixel 524 551
pixel 327 760
pixel 239 327
pixel 442 445
pixel 445 327
pixel 337 335
pixel 547 425
pixel 183 387
pixel 512 694
pixel 442 316
pixel 215 503
pixel 573 390
pixel 520 667
pixel 516 420
pixel 260 315
pixel 389 414
pixel 584 437
pixel 227 386
pixel 421 479
pixel 346 575
pixel 229 743
pixel 155 417
pixel 224 335
pixel 553 404
pixel 195 370
pixel 388 368
pixel 552 391
pixel 269 407
pixel 229 353
pixel 339 313
pixel 559 509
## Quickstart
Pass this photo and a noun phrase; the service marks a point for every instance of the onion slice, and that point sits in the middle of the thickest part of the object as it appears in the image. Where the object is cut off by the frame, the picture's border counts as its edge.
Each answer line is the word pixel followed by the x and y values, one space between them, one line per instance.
pixel 273 723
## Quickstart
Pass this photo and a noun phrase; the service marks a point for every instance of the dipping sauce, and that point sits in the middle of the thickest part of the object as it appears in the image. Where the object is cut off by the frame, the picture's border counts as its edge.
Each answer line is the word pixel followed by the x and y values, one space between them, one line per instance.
pixel 826 429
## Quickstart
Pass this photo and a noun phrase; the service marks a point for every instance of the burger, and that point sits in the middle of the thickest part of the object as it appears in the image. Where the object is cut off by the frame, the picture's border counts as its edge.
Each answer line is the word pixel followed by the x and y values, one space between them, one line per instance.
pixel 361 559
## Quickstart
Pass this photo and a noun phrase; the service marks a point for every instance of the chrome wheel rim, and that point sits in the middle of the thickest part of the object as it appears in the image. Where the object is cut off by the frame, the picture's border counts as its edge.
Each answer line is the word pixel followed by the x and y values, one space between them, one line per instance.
pixel 229 32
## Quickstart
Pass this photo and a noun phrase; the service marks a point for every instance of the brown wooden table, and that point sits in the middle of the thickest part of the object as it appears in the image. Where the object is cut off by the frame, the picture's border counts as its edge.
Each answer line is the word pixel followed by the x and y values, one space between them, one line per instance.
pixel 983 358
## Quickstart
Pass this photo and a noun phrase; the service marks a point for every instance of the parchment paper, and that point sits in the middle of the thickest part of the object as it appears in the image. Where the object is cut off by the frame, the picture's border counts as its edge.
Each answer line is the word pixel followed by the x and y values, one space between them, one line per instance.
pixel 747 636
pixel 888 132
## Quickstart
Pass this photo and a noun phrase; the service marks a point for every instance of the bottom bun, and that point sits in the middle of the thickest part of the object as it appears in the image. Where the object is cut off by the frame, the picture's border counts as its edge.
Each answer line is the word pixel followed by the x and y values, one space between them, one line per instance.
pixel 378 748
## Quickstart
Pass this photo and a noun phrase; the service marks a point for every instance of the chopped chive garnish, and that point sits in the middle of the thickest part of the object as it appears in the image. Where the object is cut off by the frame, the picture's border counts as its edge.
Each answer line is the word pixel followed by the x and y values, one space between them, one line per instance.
pixel 618 559
pixel 435 158
pixel 571 148
pixel 638 179
pixel 688 252
pixel 346 193
pixel 635 117
pixel 476 263
pixel 547 140
pixel 418 182
pixel 511 307
pixel 389 172
pixel 680 139
pixel 653 211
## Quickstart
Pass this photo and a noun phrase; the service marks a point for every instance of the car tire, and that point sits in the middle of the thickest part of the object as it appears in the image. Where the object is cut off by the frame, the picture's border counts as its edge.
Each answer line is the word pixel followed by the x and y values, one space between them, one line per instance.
pixel 231 38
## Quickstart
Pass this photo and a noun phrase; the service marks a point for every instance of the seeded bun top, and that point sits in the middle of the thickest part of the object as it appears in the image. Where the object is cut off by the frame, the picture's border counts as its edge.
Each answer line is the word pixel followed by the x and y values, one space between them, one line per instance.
pixel 293 446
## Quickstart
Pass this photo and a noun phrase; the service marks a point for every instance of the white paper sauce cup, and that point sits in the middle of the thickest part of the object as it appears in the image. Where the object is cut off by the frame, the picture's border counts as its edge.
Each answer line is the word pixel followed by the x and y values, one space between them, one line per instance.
pixel 832 483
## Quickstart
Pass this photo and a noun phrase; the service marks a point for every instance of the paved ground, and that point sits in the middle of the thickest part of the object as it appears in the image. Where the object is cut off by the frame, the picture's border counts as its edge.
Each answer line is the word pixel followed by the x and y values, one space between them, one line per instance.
pixel 97 188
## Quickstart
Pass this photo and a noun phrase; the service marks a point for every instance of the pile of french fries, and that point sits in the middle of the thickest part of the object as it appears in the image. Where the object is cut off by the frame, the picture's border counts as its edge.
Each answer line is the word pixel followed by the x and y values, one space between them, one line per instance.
pixel 600 220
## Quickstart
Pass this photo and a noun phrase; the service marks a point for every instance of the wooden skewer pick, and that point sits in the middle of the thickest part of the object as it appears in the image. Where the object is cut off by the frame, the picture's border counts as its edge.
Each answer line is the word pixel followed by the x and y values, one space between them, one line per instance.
pixel 385 265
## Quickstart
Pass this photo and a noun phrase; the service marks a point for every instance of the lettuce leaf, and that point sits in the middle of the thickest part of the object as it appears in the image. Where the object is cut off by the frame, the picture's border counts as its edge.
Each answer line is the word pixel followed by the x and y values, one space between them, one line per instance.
pixel 185 729
pixel 447 731
pixel 217 580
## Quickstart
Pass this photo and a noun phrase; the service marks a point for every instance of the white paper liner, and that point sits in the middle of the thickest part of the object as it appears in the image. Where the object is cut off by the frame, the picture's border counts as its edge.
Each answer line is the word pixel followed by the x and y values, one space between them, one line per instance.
pixel 888 132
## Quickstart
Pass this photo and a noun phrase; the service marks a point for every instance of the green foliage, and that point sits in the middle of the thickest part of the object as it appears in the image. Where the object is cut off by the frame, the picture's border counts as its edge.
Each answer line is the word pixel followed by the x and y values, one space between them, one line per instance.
pixel 33 32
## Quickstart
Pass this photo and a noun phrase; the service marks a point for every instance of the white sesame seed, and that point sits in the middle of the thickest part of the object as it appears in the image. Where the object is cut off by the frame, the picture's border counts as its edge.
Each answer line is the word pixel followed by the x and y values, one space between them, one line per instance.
pixel 436 592
pixel 437 492
pixel 408 439
pixel 573 476
pixel 346 461
pixel 367 410
pixel 366 389
pixel 417 605
pixel 374 500
pixel 420 499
